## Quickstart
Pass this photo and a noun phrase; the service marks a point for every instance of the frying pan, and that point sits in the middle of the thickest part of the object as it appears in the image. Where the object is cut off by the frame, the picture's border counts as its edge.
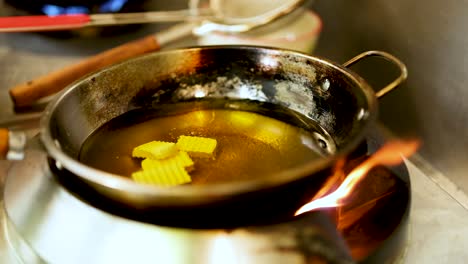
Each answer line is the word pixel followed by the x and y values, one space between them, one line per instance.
pixel 332 95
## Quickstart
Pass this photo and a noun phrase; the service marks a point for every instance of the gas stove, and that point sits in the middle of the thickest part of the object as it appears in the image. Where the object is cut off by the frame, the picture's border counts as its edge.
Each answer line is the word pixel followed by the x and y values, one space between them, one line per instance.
pixel 43 220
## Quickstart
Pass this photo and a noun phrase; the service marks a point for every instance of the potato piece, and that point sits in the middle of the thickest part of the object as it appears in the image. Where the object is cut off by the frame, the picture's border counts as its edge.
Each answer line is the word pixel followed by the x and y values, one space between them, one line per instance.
pixel 182 159
pixel 155 150
pixel 197 146
pixel 164 176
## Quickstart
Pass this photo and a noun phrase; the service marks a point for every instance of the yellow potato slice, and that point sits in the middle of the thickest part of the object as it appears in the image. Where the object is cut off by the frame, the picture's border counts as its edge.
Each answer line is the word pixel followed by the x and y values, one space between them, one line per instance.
pixel 197 146
pixel 164 176
pixel 182 159
pixel 155 150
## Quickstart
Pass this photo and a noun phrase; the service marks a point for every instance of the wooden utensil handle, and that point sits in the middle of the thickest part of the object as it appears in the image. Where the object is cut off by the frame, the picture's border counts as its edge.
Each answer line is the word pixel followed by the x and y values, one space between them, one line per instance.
pixel 3 143
pixel 27 93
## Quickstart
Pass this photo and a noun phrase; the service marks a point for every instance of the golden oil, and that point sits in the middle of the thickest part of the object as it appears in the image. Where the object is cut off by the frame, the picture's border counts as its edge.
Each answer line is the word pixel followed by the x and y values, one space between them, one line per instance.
pixel 254 139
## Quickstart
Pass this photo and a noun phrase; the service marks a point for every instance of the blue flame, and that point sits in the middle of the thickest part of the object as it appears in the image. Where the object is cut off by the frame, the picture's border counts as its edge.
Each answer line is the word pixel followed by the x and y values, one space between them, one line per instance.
pixel 112 6
pixel 54 10
pixel 107 7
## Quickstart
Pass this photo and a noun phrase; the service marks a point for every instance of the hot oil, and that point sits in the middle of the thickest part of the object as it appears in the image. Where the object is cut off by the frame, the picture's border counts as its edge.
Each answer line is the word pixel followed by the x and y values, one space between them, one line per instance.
pixel 254 139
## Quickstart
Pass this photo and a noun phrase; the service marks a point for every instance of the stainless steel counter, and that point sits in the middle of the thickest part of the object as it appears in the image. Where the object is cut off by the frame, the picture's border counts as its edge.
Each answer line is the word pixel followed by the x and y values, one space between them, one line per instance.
pixel 438 229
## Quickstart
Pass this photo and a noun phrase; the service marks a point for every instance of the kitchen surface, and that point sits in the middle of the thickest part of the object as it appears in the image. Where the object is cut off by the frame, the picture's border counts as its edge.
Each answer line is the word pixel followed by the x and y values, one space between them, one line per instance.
pixel 429 105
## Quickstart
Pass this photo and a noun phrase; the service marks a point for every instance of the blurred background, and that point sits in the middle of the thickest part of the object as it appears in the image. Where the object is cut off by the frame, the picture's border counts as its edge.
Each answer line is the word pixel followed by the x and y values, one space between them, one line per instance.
pixel 430 37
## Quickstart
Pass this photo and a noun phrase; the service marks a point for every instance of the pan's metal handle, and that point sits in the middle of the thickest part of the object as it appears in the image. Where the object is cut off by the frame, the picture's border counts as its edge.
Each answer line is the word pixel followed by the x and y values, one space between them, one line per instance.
pixel 375 53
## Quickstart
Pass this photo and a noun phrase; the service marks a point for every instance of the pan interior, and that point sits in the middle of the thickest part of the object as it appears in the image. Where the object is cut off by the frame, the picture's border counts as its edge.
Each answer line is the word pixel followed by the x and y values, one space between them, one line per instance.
pixel 255 139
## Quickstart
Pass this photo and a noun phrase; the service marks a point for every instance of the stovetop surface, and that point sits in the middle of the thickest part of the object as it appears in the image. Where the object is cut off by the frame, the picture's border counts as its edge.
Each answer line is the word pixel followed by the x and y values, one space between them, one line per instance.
pixel 438 230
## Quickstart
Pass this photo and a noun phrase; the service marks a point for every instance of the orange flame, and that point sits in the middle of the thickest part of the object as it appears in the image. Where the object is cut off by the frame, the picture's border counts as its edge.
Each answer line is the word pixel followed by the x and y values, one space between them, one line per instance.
pixel 390 154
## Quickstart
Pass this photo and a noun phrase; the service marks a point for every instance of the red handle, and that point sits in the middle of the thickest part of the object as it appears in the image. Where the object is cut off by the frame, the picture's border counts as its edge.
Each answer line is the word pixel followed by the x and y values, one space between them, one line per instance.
pixel 42 23
pixel 3 143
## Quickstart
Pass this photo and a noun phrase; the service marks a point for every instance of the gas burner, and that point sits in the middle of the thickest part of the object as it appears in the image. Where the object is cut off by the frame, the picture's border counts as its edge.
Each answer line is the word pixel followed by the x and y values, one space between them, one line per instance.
pixel 49 218
pixel 375 219
pixel 54 7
